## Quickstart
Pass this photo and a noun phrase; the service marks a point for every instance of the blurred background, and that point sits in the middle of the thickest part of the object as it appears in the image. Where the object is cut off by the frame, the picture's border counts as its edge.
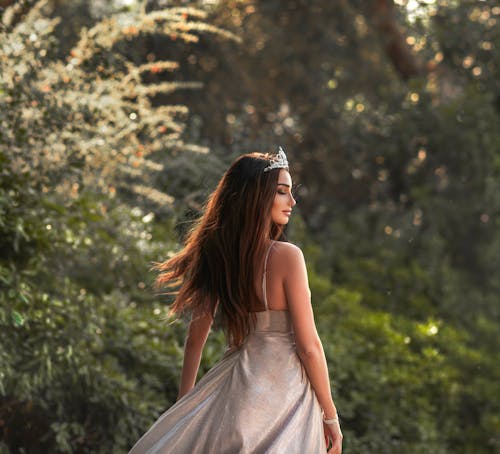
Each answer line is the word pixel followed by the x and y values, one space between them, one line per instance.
pixel 117 118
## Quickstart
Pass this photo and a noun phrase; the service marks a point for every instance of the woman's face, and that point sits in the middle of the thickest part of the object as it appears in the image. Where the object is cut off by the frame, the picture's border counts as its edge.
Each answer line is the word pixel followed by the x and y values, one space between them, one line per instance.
pixel 283 199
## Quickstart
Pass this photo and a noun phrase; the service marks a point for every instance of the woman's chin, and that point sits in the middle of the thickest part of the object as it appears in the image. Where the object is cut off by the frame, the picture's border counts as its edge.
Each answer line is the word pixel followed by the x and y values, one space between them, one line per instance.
pixel 281 220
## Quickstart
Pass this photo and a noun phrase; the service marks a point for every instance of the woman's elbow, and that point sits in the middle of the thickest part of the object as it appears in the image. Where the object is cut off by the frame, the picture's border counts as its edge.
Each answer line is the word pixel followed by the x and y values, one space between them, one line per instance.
pixel 310 351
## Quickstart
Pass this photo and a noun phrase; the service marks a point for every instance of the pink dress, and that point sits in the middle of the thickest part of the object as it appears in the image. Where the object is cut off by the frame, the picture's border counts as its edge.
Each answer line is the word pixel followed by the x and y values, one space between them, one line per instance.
pixel 256 399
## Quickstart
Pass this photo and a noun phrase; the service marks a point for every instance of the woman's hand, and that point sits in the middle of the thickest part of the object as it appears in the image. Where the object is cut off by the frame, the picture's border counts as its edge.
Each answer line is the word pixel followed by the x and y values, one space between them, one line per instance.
pixel 333 434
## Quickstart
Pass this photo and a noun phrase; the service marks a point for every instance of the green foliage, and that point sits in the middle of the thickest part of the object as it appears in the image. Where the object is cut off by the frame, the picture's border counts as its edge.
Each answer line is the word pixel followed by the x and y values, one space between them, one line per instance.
pixel 88 357
pixel 403 386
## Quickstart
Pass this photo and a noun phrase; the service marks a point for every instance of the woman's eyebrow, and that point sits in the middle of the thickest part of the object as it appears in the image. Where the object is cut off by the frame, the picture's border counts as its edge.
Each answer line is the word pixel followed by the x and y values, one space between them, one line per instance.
pixel 284 184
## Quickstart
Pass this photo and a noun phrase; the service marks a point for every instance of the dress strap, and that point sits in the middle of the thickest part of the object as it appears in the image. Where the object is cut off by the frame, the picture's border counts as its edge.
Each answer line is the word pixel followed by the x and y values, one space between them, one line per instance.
pixel 264 291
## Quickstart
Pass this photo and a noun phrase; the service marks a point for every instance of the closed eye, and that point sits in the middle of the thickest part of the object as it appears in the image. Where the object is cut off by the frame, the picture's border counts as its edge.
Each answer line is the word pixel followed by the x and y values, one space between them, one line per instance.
pixel 280 189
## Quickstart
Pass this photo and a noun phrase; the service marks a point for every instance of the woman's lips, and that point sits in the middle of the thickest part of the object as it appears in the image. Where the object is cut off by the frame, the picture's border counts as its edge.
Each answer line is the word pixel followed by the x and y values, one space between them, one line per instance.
pixel 287 212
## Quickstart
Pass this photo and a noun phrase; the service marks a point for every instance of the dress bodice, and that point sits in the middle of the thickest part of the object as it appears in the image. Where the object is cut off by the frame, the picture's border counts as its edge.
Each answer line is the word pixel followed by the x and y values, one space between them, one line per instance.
pixel 273 321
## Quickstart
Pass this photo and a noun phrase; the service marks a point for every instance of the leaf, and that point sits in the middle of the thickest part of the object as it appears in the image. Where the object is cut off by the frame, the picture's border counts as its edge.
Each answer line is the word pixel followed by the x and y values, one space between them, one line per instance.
pixel 17 318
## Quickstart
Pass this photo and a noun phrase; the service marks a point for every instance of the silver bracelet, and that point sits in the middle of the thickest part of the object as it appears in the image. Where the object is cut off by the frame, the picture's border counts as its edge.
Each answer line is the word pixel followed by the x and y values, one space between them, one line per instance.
pixel 330 420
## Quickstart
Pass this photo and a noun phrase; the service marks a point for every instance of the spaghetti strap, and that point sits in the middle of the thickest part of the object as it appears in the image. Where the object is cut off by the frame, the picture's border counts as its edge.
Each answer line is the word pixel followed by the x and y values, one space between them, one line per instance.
pixel 264 291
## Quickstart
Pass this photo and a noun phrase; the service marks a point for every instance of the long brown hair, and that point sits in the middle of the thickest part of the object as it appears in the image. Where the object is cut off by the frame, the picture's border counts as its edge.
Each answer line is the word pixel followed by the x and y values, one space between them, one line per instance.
pixel 216 268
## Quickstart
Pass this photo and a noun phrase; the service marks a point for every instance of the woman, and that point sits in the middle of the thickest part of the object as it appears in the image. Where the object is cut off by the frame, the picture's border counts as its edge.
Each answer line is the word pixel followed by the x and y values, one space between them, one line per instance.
pixel 270 393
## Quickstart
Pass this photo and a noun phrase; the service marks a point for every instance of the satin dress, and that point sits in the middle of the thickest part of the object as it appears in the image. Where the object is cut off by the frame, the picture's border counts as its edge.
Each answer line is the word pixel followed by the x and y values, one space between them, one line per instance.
pixel 256 399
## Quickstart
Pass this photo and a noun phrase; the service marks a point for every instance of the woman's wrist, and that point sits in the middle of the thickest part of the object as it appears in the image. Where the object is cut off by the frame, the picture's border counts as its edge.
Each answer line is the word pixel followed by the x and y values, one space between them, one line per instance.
pixel 331 421
pixel 330 417
pixel 330 412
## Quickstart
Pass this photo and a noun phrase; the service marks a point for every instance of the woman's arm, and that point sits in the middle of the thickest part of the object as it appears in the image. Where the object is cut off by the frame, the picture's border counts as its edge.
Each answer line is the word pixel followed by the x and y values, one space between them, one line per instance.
pixel 196 336
pixel 308 343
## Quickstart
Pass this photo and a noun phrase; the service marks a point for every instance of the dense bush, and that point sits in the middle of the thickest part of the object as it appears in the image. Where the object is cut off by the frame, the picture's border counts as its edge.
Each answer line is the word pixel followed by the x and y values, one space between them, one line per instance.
pixel 87 355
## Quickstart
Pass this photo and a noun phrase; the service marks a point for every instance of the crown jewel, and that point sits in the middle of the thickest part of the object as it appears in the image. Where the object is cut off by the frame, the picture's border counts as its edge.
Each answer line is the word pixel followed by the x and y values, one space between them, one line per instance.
pixel 278 161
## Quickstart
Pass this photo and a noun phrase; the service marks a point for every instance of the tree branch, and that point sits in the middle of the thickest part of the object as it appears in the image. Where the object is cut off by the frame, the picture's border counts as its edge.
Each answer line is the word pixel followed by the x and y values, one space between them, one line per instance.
pixel 406 63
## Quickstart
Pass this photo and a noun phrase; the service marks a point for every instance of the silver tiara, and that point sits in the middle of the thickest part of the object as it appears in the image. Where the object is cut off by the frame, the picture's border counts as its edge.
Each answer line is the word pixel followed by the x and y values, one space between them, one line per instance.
pixel 278 161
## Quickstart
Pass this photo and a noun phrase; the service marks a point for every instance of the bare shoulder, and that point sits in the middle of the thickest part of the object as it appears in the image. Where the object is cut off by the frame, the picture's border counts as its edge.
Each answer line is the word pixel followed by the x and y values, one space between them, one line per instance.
pixel 288 252
pixel 293 272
